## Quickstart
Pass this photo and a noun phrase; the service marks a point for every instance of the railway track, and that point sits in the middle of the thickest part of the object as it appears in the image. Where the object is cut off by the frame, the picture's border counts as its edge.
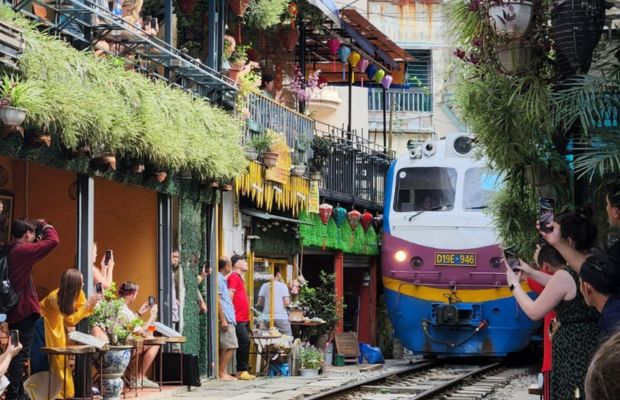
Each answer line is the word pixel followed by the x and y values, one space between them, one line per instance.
pixel 435 381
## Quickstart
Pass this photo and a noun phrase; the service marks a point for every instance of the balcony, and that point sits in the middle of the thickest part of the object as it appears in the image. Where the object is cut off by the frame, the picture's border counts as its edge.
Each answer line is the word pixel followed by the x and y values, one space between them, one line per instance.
pixel 403 100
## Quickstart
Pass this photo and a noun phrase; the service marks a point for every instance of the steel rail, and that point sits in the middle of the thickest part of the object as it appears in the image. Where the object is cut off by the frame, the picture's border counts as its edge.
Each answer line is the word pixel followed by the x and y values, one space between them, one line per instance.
pixel 441 388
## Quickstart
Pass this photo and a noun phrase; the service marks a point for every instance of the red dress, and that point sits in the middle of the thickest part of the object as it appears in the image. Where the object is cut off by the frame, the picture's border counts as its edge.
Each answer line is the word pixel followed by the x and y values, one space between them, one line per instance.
pixel 546 364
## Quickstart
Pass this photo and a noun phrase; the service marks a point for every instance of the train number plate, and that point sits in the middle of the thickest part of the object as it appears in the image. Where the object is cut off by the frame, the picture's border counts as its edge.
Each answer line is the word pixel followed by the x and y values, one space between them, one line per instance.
pixel 456 259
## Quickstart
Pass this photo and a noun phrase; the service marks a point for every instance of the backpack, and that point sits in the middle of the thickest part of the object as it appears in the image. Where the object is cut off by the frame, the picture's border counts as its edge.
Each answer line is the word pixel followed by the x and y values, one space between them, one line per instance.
pixel 8 296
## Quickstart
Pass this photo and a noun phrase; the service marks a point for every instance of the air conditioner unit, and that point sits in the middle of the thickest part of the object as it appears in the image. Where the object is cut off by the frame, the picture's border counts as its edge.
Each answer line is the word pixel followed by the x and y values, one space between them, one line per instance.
pixel 459 145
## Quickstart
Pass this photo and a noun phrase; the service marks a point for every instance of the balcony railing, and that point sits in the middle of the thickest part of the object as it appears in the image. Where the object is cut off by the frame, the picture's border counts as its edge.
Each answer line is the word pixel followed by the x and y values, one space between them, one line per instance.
pixel 403 100
pixel 356 168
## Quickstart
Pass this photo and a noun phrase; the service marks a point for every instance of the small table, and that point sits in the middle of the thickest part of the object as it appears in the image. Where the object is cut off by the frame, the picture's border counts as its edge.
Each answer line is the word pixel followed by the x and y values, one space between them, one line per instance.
pixel 176 340
pixel 264 350
pixel 297 326
pixel 66 351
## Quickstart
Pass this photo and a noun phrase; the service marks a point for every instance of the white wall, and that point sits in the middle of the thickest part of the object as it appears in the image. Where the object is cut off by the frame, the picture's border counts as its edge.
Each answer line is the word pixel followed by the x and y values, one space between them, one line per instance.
pixel 339 117
pixel 233 234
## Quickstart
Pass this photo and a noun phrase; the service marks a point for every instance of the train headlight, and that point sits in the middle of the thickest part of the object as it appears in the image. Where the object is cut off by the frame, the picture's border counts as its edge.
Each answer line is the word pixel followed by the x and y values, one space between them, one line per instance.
pixel 495 262
pixel 417 262
pixel 400 256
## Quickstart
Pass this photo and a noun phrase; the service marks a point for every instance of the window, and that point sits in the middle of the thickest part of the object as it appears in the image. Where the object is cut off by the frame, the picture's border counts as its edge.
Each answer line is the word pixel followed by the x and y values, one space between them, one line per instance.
pixel 425 189
pixel 480 185
pixel 420 69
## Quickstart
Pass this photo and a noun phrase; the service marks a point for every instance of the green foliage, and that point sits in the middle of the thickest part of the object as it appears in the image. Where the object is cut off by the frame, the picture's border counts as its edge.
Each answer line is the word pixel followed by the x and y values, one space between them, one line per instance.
pixel 321 149
pixel 261 143
pixel 95 101
pixel 322 302
pixel 263 14
pixel 311 358
pixel 108 315
pixel 240 55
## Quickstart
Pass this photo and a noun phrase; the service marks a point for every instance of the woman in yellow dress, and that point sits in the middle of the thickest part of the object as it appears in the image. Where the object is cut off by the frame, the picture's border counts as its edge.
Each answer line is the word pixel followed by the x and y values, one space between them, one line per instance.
pixel 65 306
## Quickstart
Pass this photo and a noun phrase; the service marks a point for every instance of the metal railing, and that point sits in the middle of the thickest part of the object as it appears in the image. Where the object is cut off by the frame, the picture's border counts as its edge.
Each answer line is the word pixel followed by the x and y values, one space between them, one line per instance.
pixel 404 100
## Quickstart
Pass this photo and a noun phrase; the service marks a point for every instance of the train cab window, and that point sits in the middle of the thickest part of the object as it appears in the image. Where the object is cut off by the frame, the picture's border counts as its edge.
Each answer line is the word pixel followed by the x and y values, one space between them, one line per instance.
pixel 480 185
pixel 425 189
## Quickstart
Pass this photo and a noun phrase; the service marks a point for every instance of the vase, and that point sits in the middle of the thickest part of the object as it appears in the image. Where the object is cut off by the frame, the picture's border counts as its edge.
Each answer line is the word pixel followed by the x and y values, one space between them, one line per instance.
pixel 511 17
pixel 308 372
pixel 113 364
pixel 270 159
pixel 515 55
pixel 12 115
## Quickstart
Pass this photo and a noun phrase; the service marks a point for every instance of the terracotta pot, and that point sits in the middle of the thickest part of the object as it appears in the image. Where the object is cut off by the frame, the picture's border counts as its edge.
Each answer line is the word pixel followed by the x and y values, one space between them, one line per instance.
pixel 238 7
pixel 137 168
pixel 214 185
pixel 39 10
pixel 8 130
pixel 511 17
pixel 160 176
pixel 270 159
pixel 225 187
pixel 289 38
pixel 37 139
pixel 104 162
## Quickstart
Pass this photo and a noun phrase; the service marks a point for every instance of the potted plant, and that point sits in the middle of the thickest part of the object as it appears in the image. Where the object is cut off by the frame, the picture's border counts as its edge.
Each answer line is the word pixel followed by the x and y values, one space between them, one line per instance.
pixel 12 93
pixel 108 317
pixel 104 161
pixel 511 17
pixel 302 144
pixel 515 55
pixel 321 149
pixel 258 145
pixel 311 359
pixel 237 60
pixel 263 14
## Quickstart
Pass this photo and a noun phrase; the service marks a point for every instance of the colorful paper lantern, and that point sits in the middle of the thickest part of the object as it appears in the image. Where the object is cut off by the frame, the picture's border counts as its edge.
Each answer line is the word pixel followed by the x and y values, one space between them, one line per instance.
pixel 371 71
pixel 379 76
pixel 366 220
pixel 339 214
pixel 354 218
pixel 386 81
pixel 361 67
pixel 333 44
pixel 354 58
pixel 325 211
pixel 343 54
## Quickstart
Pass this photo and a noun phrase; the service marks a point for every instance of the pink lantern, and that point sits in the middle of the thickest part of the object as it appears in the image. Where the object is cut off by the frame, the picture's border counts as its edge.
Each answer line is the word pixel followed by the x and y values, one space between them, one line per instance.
pixel 361 67
pixel 354 217
pixel 366 220
pixel 334 45
pixel 387 81
pixel 325 211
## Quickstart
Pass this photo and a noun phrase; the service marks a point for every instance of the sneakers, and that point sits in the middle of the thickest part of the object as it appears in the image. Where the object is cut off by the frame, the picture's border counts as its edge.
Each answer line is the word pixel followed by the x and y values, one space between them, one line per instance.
pixel 149 384
pixel 246 376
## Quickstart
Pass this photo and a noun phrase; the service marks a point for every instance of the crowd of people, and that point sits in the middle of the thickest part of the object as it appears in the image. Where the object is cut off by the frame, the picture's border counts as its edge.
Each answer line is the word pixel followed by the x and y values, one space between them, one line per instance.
pixel 579 298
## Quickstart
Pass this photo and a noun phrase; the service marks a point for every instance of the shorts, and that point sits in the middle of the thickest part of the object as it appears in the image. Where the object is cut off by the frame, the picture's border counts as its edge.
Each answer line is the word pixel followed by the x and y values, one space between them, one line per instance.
pixel 228 338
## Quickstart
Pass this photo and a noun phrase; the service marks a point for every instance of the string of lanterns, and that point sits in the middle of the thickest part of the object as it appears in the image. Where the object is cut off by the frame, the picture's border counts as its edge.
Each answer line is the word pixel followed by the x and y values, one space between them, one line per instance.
pixel 354 217
pixel 341 51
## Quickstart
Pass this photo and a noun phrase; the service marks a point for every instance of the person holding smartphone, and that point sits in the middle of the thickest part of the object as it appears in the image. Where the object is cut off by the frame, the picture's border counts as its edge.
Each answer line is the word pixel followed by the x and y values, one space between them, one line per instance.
pixel 12 349
pixel 103 273
pixel 63 307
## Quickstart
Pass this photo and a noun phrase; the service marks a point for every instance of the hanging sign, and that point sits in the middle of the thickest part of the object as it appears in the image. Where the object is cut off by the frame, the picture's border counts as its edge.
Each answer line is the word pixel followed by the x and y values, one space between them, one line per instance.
pixel 313 197
pixel 282 171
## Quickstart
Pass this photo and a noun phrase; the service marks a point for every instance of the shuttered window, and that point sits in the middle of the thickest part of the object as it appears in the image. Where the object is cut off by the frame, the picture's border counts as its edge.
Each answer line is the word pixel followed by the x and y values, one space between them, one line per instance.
pixel 421 68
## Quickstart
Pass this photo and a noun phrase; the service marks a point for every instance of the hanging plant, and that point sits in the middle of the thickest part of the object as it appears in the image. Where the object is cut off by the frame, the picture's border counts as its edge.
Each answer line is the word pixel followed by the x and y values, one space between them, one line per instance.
pixel 263 14
pixel 511 17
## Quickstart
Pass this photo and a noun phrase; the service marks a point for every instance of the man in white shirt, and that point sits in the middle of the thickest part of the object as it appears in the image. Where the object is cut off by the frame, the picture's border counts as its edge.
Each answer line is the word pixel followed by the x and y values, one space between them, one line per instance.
pixel 277 291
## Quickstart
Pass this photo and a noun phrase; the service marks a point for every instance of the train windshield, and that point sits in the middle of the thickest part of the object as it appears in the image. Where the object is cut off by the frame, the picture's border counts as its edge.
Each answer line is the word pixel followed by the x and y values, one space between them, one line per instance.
pixel 480 185
pixel 425 189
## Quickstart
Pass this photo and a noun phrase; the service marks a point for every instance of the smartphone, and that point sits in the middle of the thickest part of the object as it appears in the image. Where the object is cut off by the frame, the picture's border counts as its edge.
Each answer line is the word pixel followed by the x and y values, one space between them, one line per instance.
pixel 151 301
pixel 99 288
pixel 512 260
pixel 14 337
pixel 154 23
pixel 108 257
pixel 545 213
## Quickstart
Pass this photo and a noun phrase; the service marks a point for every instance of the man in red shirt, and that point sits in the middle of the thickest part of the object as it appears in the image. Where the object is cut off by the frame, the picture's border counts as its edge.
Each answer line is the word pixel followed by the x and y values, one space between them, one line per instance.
pixel 23 251
pixel 239 297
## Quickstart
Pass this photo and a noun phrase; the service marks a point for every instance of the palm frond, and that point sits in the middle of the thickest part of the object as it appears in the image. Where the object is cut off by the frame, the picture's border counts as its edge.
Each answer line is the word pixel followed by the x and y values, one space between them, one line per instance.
pixel 598 155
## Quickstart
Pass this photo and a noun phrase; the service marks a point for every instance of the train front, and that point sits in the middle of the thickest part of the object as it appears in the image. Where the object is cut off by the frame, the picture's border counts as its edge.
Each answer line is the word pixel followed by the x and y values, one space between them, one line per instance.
pixel 445 285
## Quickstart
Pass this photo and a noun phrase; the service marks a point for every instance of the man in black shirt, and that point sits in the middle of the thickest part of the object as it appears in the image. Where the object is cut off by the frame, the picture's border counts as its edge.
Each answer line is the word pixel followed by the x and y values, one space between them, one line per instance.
pixel 573 257
pixel 600 286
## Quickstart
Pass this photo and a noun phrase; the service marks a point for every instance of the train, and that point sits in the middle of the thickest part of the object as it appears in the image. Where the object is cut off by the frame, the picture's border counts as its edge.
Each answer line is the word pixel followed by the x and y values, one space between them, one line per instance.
pixel 443 276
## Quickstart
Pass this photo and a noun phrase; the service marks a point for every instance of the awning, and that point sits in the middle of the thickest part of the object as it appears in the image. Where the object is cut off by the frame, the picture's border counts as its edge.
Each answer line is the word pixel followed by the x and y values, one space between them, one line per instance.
pixel 329 8
pixel 267 216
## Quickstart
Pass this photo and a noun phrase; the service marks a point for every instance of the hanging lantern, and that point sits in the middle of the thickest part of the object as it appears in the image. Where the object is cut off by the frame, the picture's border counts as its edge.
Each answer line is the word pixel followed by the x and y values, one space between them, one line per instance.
pixel 325 211
pixel 361 67
pixel 379 76
pixel 354 218
pixel 343 54
pixel 386 81
pixel 339 215
pixel 334 45
pixel 366 220
pixel 371 70
pixel 354 58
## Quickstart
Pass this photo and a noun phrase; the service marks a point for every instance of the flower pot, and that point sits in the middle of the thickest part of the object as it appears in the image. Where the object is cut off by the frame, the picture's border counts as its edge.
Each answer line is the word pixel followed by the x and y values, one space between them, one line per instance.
pixel 8 130
pixel 308 372
pixel 37 139
pixel 12 115
pixel 270 159
pixel 515 56
pixel 114 363
pixel 511 17
pixel 251 154
pixel 225 187
pixel 289 38
pixel 137 168
pixel 315 176
pixel 238 7
pixel 104 162
pixel 160 176
pixel 298 170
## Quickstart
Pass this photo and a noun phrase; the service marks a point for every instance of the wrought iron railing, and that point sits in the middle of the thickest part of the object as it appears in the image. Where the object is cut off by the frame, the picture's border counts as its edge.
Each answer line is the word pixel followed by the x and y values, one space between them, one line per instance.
pixel 403 100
